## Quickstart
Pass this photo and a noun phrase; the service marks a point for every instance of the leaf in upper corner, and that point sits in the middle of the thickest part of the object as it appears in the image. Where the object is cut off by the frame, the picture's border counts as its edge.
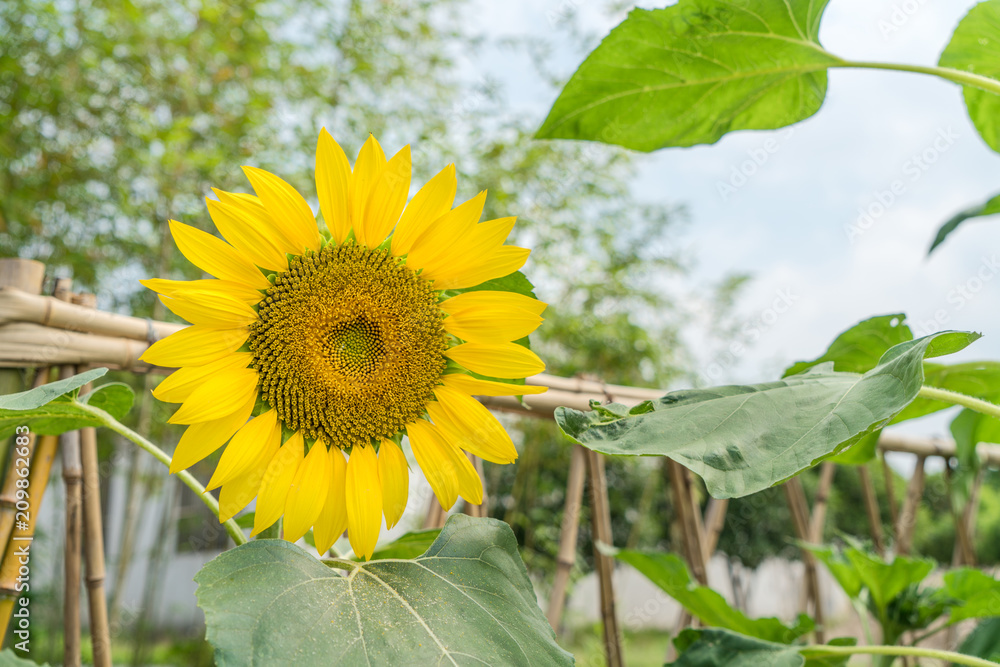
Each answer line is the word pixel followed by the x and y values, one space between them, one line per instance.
pixel 467 600
pixel 743 439
pixel 722 648
pixel 990 207
pixel 859 348
pixel 671 574
pixel 975 47
pixel 690 73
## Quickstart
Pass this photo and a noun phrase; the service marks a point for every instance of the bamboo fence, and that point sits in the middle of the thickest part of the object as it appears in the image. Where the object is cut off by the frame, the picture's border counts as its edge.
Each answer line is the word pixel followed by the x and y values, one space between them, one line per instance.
pixel 65 330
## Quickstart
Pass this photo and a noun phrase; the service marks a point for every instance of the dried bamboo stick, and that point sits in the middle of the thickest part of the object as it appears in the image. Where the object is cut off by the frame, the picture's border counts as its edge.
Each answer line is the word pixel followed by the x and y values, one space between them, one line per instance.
pixel 715 521
pixel 436 515
pixel 799 507
pixel 8 494
pixel 568 533
pixel 692 535
pixel 481 510
pixel 890 491
pixel 600 514
pixel 872 509
pixel 20 544
pixel 908 515
pixel 818 519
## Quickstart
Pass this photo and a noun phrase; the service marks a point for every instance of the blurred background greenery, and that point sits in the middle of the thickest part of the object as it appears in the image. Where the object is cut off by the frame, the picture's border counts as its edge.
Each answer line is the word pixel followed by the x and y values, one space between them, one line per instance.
pixel 116 116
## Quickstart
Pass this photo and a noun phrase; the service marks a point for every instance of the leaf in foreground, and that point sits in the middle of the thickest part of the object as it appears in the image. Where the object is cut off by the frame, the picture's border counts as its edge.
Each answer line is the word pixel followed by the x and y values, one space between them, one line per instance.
pixel 744 438
pixel 715 648
pixel 466 601
pixel 692 72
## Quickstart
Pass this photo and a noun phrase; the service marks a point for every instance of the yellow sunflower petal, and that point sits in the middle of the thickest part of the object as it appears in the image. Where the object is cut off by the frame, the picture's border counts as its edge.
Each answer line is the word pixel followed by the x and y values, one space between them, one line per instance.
pixel 219 395
pixel 200 440
pixel 196 345
pixel 288 209
pixel 310 488
pixel 332 521
pixel 430 203
pixel 245 293
pixel 447 469
pixel 363 495
pixel 504 261
pixel 491 325
pixel 434 245
pixel 370 163
pixel 469 425
pixel 277 482
pixel 492 299
pixel 476 387
pixel 214 309
pixel 253 213
pixel 499 360
pixel 260 243
pixel 237 494
pixel 469 250
pixel 394 475
pixel 177 386
pixel 246 449
pixel 386 201
pixel 216 257
pixel 333 179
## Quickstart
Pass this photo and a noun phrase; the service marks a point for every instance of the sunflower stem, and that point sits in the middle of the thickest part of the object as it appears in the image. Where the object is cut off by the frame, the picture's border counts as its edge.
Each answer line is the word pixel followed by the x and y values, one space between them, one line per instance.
pixel 955 398
pixel 915 651
pixel 107 420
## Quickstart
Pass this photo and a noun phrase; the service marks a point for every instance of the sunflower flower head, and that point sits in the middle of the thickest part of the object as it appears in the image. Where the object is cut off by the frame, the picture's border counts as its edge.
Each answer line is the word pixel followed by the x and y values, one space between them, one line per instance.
pixel 309 355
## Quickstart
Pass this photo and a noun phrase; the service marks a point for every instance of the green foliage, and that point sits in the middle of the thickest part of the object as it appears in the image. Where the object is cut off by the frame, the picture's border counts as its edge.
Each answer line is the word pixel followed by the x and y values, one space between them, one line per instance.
pixel 54 408
pixel 984 641
pixel 975 47
pixel 741 439
pixel 978 593
pixel 692 72
pixel 410 545
pixel 714 648
pixel 991 207
pixel 859 348
pixel 671 574
pixel 468 598
pixel 980 379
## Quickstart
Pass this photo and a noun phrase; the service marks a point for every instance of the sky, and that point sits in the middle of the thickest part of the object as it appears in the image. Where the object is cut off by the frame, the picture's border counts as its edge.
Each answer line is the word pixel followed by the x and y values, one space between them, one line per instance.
pixel 795 223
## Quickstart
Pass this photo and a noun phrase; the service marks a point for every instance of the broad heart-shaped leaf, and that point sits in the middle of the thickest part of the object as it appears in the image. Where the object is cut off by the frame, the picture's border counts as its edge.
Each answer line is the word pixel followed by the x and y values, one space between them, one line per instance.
pixel 859 348
pixel 742 439
pixel 690 73
pixel 975 378
pixel 979 593
pixel 724 648
pixel 466 601
pixel 984 641
pixel 671 574
pixel 990 207
pixel 975 47
pixel 53 409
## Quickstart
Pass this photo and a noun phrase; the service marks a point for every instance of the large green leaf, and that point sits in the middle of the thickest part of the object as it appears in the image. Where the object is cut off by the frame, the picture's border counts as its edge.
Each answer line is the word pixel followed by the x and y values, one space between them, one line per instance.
pixel 55 408
pixel 466 601
pixel 979 593
pixel 690 73
pixel 859 348
pixel 991 207
pixel 984 641
pixel 855 570
pixel 742 439
pixel 975 47
pixel 723 648
pixel 671 574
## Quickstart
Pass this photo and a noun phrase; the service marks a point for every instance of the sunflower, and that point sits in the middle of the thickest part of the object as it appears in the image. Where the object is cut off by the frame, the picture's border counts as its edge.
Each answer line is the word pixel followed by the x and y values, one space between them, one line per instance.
pixel 311 354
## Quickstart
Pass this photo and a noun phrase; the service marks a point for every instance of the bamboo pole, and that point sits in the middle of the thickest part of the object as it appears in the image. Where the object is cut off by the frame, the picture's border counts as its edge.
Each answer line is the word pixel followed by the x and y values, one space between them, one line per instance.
pixel 872 509
pixel 20 545
pixel 908 515
pixel 890 491
pixel 8 494
pixel 818 519
pixel 568 533
pixel 478 511
pixel 436 515
pixel 689 517
pixel 715 521
pixel 600 515
pixel 799 507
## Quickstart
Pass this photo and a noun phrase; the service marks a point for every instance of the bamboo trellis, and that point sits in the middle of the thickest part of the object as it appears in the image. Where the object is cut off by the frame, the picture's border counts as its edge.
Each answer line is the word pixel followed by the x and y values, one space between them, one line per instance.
pixel 66 331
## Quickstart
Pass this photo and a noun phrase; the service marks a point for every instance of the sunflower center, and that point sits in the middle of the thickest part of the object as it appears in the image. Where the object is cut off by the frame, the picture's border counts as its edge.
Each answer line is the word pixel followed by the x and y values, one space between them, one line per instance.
pixel 349 345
